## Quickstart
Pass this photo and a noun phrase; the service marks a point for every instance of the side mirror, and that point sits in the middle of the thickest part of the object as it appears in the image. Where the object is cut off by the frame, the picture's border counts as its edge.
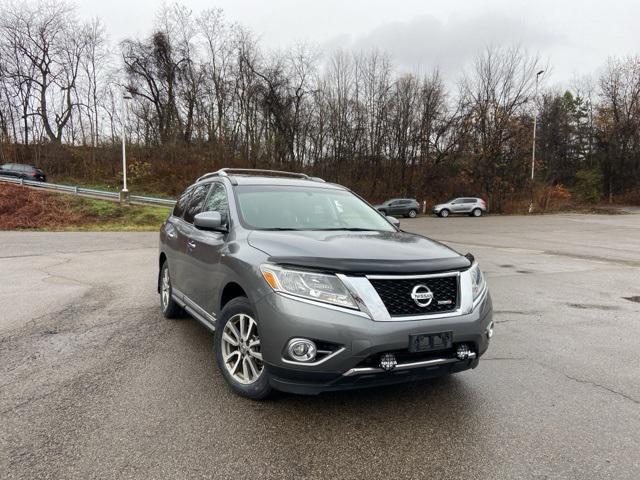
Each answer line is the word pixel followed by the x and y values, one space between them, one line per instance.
pixel 209 221
pixel 394 221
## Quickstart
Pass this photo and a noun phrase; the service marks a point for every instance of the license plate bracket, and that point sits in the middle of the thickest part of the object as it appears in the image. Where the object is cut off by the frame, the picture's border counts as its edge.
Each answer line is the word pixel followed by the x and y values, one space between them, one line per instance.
pixel 430 342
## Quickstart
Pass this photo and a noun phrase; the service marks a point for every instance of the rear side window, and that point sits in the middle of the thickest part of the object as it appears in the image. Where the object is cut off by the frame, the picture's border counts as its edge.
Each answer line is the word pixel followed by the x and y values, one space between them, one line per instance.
pixel 182 202
pixel 196 201
pixel 469 200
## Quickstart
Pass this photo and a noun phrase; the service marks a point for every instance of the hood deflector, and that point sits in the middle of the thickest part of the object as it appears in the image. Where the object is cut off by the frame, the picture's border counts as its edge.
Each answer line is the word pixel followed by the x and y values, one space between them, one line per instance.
pixel 375 266
pixel 369 252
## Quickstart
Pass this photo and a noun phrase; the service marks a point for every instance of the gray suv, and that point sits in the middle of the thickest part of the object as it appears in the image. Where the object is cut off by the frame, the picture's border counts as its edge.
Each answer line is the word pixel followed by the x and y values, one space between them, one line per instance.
pixel 407 207
pixel 308 288
pixel 475 207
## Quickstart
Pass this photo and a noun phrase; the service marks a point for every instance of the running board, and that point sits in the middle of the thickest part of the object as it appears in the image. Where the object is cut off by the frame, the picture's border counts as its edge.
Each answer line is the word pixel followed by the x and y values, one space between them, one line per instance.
pixel 191 311
pixel 201 319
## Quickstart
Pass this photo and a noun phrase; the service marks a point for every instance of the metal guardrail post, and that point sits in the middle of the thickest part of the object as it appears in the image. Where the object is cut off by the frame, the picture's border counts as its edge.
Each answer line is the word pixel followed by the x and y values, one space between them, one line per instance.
pixel 124 197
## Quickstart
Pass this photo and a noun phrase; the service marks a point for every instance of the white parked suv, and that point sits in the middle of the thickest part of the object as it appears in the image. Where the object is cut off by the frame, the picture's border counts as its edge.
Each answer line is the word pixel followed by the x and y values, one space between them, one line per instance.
pixel 475 207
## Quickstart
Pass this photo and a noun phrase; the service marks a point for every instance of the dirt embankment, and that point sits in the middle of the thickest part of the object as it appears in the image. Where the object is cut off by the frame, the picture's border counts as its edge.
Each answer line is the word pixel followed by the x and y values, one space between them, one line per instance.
pixel 26 208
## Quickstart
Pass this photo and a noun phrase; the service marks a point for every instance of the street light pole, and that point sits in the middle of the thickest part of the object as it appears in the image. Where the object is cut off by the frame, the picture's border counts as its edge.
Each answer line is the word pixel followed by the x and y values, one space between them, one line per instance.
pixel 124 194
pixel 533 150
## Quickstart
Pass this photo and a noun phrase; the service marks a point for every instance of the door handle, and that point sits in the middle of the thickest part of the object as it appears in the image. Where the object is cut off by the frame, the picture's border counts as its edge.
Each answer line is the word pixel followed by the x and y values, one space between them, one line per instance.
pixel 191 244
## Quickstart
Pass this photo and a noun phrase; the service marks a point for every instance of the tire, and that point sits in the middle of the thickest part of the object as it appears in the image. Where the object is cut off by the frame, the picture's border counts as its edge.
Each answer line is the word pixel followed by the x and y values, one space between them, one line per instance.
pixel 412 213
pixel 444 213
pixel 238 319
pixel 383 212
pixel 476 212
pixel 170 309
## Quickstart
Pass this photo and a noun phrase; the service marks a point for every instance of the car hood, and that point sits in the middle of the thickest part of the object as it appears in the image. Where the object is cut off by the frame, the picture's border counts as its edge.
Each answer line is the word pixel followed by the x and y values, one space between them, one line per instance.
pixel 358 252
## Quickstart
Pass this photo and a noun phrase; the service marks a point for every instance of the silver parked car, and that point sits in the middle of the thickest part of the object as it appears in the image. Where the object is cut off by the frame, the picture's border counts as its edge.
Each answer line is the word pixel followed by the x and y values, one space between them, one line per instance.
pixel 475 207
pixel 308 288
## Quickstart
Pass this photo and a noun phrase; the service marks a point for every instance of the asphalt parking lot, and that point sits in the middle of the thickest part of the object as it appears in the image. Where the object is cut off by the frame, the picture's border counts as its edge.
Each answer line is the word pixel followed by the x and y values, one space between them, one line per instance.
pixel 95 383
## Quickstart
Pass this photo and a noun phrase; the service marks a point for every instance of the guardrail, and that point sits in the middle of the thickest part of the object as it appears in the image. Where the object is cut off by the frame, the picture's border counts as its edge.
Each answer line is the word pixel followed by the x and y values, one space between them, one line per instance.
pixel 87 191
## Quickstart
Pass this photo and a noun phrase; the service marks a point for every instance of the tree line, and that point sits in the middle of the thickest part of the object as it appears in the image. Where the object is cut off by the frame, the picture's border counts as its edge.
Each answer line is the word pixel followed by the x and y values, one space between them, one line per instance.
pixel 204 92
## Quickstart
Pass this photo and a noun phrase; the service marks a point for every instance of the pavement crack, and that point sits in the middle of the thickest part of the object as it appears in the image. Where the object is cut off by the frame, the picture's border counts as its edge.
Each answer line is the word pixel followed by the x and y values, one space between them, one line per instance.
pixel 588 382
pixel 48 254
pixel 566 375
pixel 505 358
pixel 604 387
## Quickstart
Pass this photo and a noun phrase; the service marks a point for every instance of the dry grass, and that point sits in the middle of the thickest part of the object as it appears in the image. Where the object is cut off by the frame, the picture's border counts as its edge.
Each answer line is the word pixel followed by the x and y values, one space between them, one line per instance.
pixel 24 208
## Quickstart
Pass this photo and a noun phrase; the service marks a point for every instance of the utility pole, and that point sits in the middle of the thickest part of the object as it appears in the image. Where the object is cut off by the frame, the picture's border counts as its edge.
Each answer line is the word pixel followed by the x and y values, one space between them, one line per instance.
pixel 533 150
pixel 124 194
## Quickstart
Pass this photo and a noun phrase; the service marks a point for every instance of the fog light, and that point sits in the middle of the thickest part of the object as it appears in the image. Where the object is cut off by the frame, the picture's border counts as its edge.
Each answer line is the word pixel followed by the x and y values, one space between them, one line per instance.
pixel 388 362
pixel 463 352
pixel 490 330
pixel 301 350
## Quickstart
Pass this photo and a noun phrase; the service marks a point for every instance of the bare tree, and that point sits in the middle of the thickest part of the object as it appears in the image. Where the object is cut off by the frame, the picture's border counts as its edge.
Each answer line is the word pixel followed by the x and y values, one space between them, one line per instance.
pixel 495 93
pixel 44 36
pixel 619 124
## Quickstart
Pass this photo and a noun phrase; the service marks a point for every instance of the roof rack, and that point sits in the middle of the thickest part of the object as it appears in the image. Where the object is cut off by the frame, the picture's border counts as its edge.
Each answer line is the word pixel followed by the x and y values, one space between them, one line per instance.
pixel 226 172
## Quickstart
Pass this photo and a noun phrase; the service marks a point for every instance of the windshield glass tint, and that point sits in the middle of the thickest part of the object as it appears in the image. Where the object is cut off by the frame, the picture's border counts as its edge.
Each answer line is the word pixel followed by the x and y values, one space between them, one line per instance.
pixel 303 208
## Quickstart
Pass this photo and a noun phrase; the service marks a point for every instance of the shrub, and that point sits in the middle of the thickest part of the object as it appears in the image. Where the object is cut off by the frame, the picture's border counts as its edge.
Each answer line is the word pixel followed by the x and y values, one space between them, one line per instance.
pixel 588 185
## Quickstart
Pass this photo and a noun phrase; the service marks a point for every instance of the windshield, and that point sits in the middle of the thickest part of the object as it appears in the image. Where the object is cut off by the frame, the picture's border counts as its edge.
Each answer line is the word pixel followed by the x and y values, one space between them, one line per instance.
pixel 306 208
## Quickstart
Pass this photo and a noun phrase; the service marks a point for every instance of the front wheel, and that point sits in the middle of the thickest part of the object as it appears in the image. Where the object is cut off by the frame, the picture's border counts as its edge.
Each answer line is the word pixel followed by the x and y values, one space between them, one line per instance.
pixel 412 213
pixel 476 212
pixel 444 213
pixel 238 351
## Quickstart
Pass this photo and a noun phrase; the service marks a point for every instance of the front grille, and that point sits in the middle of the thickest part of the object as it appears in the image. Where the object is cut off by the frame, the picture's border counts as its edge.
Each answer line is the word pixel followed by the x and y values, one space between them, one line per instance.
pixel 396 295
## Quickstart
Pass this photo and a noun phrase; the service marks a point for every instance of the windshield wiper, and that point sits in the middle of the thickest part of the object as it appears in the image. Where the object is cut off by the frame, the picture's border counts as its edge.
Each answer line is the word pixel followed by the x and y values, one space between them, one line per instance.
pixel 348 229
pixel 282 229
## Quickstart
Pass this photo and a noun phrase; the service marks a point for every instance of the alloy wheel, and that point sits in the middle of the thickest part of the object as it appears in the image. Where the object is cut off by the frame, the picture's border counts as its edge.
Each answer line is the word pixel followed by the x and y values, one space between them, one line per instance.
pixel 241 349
pixel 165 288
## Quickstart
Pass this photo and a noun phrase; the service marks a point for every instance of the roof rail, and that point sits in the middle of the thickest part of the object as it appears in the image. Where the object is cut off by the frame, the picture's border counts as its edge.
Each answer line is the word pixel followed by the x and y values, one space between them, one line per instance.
pixel 225 172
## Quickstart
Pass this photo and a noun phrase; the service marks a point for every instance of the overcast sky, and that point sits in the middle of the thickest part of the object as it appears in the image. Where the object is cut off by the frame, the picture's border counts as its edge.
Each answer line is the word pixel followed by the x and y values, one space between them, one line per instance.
pixel 576 36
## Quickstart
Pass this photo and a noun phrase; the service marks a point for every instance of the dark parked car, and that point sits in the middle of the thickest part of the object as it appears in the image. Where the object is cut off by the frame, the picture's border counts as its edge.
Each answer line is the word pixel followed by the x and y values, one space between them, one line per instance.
pixel 28 172
pixel 407 207
pixel 308 288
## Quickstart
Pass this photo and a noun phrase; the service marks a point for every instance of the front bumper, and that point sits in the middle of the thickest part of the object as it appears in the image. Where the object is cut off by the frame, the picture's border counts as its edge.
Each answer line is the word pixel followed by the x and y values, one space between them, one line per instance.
pixel 360 338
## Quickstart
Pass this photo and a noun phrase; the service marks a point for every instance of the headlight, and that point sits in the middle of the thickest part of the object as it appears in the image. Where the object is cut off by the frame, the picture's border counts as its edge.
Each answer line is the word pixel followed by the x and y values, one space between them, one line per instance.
pixel 477 280
pixel 314 286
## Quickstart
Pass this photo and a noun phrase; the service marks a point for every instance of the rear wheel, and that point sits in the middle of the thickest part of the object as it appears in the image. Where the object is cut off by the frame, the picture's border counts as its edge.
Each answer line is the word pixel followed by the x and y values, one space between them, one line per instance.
pixel 170 309
pixel 444 213
pixel 476 212
pixel 412 213
pixel 238 351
